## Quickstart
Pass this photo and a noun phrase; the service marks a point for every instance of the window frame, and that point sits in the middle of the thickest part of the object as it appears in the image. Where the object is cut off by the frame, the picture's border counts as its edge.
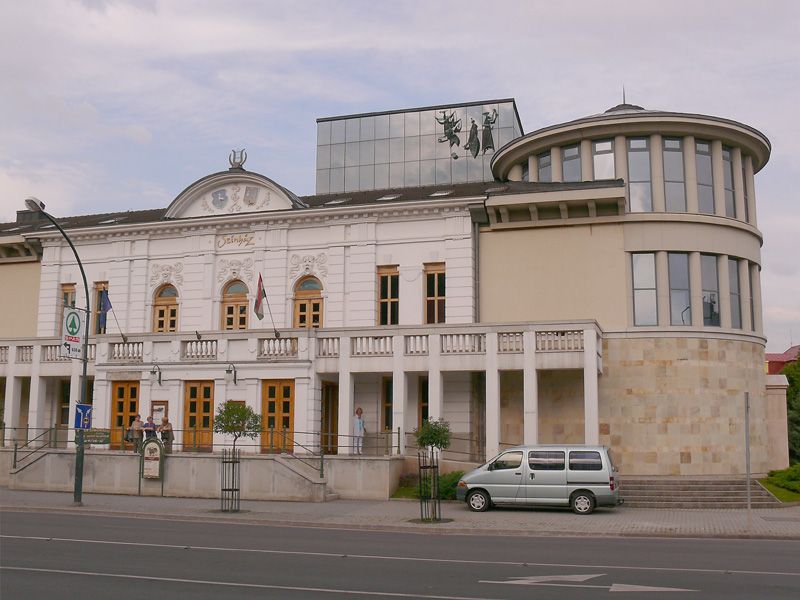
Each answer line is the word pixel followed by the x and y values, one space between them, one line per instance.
pixel 649 181
pixel 97 289
pixel 437 300
pixel 596 153
pixel 735 293
pixel 711 320
pixel 235 301
pixel 307 298
pixel 635 289
pixel 664 150
pixel 167 304
pixel 548 168
pixel 552 455
pixel 673 288
pixel 728 193
pixel 390 274
pixel 507 452
pixel 702 186
pixel 571 162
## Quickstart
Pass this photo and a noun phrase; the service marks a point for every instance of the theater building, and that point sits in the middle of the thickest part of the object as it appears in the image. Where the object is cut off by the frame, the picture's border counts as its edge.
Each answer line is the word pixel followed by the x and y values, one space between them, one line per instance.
pixel 594 281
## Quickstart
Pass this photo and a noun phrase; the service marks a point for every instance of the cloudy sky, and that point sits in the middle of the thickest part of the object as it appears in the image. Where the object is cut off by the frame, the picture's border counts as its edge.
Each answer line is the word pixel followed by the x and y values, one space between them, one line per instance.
pixel 111 105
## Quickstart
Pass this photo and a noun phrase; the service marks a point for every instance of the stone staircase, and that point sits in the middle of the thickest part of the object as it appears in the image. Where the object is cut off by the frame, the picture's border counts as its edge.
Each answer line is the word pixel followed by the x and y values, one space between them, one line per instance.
pixel 693 492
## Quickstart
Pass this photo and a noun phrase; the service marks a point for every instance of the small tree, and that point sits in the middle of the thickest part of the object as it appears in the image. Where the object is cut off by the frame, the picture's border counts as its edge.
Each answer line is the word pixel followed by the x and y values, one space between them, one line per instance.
pixel 237 419
pixel 433 434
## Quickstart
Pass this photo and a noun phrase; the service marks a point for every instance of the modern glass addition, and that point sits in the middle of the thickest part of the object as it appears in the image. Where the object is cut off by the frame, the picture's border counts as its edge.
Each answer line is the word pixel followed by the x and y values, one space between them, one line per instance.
pixel 727 179
pixel 710 286
pixel 645 309
pixel 571 163
pixel 603 159
pixel 674 179
pixel 680 300
pixel 705 177
pixel 545 168
pixel 639 186
pixel 735 293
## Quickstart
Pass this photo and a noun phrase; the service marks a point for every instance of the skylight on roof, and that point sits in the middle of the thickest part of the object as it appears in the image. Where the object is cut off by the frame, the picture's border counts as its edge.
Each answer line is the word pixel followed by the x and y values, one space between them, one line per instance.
pixel 390 197
pixel 337 201
pixel 114 220
pixel 47 226
pixel 441 193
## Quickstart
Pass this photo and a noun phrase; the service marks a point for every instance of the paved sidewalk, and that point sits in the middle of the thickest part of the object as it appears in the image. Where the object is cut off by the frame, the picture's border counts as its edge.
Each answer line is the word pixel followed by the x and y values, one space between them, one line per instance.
pixel 397 515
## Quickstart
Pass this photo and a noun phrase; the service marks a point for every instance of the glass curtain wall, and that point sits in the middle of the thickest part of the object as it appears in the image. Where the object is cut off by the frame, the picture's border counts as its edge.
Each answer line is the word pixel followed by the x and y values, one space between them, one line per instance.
pixel 571 163
pixel 640 191
pixel 544 166
pixel 710 283
pixel 603 159
pixel 674 180
pixel 645 310
pixel 736 294
pixel 705 177
pixel 679 290
pixel 727 178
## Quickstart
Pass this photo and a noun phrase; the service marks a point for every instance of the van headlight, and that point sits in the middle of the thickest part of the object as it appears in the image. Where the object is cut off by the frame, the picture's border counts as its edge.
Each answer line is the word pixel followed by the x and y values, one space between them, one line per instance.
pixel 462 483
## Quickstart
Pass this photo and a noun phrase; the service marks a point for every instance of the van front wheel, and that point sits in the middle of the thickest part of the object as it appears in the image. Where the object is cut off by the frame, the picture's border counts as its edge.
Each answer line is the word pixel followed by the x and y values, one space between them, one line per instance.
pixel 582 503
pixel 478 501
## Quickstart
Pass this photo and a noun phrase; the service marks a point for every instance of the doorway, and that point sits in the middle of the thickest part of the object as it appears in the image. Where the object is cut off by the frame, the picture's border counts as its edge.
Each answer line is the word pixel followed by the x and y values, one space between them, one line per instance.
pixel 198 417
pixel 329 430
pixel 277 410
pixel 124 408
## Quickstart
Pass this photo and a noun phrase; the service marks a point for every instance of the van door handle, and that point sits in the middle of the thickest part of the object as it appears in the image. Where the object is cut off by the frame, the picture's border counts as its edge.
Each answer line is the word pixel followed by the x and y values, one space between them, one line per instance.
pixel 518 473
pixel 533 476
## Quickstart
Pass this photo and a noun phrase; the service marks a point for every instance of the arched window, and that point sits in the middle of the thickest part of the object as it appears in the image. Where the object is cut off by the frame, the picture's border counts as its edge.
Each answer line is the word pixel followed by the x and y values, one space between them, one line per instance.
pixel 165 309
pixel 234 306
pixel 308 303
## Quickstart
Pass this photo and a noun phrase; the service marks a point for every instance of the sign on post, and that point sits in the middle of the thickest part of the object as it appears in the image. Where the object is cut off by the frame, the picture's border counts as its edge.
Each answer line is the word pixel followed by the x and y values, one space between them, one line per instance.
pixel 97 436
pixel 83 416
pixel 152 459
pixel 73 332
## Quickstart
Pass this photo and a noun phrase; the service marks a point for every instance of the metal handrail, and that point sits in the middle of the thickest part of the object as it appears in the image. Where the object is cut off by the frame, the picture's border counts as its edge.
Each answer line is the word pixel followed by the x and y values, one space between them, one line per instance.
pixel 17 459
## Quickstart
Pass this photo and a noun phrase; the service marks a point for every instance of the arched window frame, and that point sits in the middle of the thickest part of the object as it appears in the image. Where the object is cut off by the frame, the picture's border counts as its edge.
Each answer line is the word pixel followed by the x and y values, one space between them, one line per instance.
pixel 166 310
pixel 308 303
pixel 234 307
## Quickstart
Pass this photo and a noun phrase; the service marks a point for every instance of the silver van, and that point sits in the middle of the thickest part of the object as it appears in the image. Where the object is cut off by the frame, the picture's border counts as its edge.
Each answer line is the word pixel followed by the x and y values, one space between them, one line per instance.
pixel 578 476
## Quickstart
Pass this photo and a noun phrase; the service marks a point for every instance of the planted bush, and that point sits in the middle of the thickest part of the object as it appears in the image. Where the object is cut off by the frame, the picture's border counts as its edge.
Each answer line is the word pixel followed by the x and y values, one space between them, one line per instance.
pixel 788 479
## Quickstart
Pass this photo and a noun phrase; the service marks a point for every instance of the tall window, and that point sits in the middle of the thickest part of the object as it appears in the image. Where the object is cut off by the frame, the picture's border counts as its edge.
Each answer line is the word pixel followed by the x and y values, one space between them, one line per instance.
pixel 388 295
pixel 308 303
pixel 386 403
pixel 99 317
pixel 680 301
pixel 434 293
pixel 641 195
pixel 545 170
pixel 603 159
pixel 674 180
pixel 705 177
pixel 165 309
pixel 736 293
pixel 710 281
pixel 571 163
pixel 67 299
pixel 752 296
pixel 234 306
pixel 423 405
pixel 727 179
pixel 644 289
pixel 744 190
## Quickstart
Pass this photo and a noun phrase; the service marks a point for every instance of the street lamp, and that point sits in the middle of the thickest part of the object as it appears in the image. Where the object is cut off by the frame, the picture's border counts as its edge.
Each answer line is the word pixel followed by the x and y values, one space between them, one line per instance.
pixel 37 205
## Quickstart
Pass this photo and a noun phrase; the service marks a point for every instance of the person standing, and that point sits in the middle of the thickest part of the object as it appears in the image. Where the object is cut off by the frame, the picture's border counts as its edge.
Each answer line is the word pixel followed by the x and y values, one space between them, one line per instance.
pixel 138 431
pixel 149 428
pixel 358 431
pixel 167 436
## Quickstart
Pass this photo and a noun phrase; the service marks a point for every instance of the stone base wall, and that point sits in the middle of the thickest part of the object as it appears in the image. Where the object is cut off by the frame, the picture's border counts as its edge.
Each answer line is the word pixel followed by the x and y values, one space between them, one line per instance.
pixel 675 406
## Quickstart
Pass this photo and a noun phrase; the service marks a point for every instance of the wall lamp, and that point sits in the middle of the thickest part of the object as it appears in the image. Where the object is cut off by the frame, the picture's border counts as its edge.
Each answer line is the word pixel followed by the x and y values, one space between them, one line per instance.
pixel 230 373
pixel 155 374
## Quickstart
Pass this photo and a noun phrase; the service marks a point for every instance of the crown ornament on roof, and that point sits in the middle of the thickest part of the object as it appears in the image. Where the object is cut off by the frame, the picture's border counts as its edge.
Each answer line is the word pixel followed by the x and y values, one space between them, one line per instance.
pixel 237 158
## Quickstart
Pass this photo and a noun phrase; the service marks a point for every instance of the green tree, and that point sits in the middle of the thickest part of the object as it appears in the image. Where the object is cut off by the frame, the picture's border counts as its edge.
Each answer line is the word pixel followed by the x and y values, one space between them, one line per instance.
pixel 792 373
pixel 433 434
pixel 237 419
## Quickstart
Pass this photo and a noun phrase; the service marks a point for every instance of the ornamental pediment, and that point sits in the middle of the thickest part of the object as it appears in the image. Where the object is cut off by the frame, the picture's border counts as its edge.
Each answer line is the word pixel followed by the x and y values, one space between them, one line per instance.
pixel 231 192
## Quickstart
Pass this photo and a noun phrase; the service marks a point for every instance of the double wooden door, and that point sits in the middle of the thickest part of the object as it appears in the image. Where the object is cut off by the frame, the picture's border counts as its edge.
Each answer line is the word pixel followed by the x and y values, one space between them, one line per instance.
pixel 198 416
pixel 329 431
pixel 277 411
pixel 124 408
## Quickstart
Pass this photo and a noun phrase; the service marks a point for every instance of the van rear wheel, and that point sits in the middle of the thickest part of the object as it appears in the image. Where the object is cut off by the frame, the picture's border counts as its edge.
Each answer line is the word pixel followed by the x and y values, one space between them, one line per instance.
pixel 478 501
pixel 582 503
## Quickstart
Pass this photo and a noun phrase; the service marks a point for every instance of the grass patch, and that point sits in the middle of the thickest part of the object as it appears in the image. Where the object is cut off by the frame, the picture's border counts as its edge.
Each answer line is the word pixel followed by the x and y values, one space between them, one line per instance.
pixel 406 492
pixel 780 493
pixel 409 486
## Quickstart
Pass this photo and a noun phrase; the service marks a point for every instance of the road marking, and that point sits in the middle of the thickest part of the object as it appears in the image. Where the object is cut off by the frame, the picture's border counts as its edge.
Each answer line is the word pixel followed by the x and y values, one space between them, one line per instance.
pixel 264 586
pixel 559 581
pixel 624 587
pixel 537 579
pixel 405 558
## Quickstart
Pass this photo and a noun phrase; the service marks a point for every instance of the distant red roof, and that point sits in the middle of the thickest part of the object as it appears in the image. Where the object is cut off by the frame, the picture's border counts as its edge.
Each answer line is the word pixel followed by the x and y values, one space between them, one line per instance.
pixel 776 361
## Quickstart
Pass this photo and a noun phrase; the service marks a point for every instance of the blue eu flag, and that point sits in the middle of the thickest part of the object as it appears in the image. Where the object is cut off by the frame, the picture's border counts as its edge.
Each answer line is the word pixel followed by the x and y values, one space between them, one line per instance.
pixel 105 306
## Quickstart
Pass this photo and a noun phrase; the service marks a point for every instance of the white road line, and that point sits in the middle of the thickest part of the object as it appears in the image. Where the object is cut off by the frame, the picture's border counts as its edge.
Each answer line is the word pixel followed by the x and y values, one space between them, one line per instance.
pixel 402 558
pixel 245 585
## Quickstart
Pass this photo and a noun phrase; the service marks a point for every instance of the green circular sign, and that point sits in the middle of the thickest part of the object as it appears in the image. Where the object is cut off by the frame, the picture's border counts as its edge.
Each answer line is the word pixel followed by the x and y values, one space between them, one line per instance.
pixel 73 324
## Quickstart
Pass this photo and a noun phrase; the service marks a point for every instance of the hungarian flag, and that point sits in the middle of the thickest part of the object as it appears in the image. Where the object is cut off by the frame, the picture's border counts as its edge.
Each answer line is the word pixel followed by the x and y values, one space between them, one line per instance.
pixel 261 295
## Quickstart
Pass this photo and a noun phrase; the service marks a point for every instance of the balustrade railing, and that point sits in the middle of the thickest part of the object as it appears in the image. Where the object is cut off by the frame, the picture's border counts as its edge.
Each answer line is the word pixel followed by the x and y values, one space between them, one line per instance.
pixel 126 351
pixel 368 345
pixel 510 343
pixel 416 345
pixel 277 348
pixel 52 353
pixel 463 343
pixel 24 354
pixel 559 341
pixel 328 347
pixel 3 354
pixel 199 349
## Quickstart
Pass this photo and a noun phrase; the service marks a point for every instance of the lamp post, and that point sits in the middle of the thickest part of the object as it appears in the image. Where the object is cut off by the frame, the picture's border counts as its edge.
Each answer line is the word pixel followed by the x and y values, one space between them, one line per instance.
pixel 37 205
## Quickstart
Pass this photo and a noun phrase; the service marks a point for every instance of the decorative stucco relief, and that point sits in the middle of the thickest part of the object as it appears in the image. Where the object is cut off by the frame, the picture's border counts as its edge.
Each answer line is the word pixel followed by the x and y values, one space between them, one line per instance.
pixel 235 269
pixel 160 274
pixel 309 265
pixel 234 198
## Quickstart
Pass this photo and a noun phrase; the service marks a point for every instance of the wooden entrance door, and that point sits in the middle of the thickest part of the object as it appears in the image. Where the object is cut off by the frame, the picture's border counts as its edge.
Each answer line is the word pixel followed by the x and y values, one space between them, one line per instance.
pixel 124 408
pixel 198 416
pixel 330 418
pixel 277 411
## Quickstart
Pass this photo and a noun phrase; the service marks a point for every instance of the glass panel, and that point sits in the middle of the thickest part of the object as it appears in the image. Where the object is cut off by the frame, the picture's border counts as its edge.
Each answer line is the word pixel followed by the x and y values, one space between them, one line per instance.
pixel 545 172
pixel 381 151
pixel 604 166
pixel 352 128
pixel 351 154
pixel 571 163
pixel 168 292
pixel 324 133
pixel 192 421
pixel 735 293
pixel 441 284
pixel 431 284
pixel 644 271
pixel 394 313
pixel 323 157
pixel 271 422
pixel 287 406
pixel 397 125
pixel 585 461
pixel 675 196
pixel 337 132
pixel 337 156
pixel 120 392
pixel 384 314
pixel 236 288
pixel 285 423
pixel 366 152
pixel 310 283
pixel 639 166
pixel 193 406
pixel 381 127
pixel 120 406
pixel 119 421
pixel 708 273
pixel 271 406
pixel 645 309
pixel 206 406
pixel 287 392
pixel 206 422
pixel 509 460
pixel 680 301
pixel 430 315
pixel 367 128
pixel 641 200
pixel 546 460
pixel 440 311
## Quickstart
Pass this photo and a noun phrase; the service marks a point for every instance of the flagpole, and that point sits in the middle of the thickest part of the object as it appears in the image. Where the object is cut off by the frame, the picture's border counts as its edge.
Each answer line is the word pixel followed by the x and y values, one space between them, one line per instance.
pixel 124 337
pixel 269 310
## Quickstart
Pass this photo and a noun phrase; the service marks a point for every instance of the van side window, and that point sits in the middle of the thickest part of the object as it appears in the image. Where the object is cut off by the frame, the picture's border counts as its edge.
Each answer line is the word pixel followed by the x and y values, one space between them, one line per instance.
pixel 582 460
pixel 546 460
pixel 509 460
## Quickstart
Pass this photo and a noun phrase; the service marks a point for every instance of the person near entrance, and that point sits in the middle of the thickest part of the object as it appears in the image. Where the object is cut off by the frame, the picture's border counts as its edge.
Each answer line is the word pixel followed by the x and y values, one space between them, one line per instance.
pixel 138 432
pixel 358 431
pixel 167 436
pixel 149 428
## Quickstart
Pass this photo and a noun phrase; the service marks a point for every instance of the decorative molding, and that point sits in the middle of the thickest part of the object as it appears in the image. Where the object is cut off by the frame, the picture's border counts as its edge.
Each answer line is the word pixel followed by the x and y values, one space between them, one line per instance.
pixel 309 265
pixel 235 269
pixel 236 198
pixel 160 274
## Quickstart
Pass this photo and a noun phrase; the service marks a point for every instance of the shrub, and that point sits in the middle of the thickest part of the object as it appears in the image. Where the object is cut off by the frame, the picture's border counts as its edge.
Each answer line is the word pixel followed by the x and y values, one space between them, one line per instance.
pixel 448 483
pixel 788 479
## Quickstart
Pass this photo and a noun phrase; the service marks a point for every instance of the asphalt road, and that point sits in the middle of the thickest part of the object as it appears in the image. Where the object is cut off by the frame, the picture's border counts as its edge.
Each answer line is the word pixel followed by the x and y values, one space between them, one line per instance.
pixel 78 556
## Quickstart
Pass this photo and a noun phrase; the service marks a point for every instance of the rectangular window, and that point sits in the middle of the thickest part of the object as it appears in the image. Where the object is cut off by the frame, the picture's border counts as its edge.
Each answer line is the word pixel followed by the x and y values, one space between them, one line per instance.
pixel 710 281
pixel 585 460
pixel 736 293
pixel 422 407
pixel 571 163
pixel 99 317
pixel 727 178
pixel 63 413
pixel 705 177
pixel 645 310
pixel 674 180
pixel 434 293
pixel 386 403
pixel 744 191
pixel 603 159
pixel 640 192
pixel 67 296
pixel 388 295
pixel 545 171
pixel 680 300
pixel 546 460
pixel 752 295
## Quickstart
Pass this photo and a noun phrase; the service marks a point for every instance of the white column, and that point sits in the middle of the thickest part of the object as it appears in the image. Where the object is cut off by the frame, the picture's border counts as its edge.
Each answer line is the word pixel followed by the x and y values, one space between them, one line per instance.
pixel 533 168
pixel 738 182
pixel 621 158
pixel 37 401
pixel 492 397
pixel 724 291
pixel 749 182
pixel 399 395
pixel 586 160
pixel 696 289
pixel 530 389
pixel 591 413
pixel 435 391
pixel 758 325
pixel 556 167
pixel 346 392
pixel 744 290
pixel 12 399
pixel 718 174
pixel 690 173
pixel 303 425
pixel 657 173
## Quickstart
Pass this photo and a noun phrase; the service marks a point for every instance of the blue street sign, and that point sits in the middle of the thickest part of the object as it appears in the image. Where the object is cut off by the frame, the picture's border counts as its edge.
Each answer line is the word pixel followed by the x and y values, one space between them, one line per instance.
pixel 83 416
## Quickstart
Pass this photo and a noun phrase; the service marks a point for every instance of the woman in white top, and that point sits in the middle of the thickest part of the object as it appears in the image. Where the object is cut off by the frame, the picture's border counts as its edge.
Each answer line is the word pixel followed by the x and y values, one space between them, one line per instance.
pixel 358 431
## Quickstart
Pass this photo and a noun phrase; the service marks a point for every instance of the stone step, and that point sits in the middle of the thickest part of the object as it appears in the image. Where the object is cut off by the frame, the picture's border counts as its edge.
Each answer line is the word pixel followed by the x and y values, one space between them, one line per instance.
pixel 694 493
pixel 701 504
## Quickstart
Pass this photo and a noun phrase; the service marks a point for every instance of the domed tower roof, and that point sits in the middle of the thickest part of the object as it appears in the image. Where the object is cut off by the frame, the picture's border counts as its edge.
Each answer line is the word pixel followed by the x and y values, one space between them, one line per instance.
pixel 623 108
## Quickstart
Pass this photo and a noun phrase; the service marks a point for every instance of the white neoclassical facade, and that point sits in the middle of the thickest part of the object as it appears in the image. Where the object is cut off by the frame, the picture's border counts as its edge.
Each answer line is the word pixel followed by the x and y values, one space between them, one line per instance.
pixel 595 281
